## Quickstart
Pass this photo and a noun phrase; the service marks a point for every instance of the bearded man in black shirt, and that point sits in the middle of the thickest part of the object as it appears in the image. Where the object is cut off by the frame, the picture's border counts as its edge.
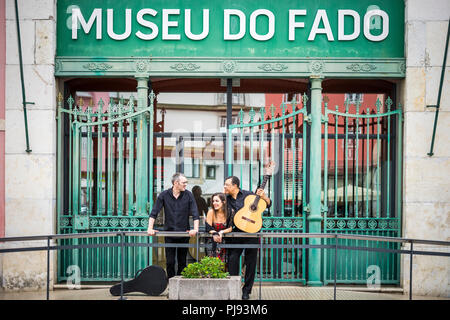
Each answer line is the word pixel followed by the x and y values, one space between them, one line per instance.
pixel 178 204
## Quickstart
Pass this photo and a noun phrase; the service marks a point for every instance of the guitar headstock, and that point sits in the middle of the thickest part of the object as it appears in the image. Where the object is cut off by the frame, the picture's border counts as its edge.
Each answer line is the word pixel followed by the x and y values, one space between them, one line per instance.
pixel 269 168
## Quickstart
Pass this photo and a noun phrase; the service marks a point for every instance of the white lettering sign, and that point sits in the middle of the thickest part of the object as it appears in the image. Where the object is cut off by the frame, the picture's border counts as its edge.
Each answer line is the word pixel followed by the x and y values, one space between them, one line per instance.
pixel 356 25
pixel 234 24
pixel 77 17
pixel 367 25
pixel 321 16
pixel 271 31
pixel 169 23
pixel 293 24
pixel 226 20
pixel 110 25
pixel 187 25
pixel 140 19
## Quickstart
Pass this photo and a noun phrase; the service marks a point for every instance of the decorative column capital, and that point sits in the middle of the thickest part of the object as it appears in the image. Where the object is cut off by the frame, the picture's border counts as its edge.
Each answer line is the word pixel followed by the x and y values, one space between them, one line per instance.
pixel 316 82
pixel 142 77
pixel 142 84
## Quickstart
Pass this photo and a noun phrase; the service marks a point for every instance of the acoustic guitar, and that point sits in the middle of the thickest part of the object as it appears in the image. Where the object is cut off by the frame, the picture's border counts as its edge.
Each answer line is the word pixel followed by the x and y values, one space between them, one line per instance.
pixel 249 217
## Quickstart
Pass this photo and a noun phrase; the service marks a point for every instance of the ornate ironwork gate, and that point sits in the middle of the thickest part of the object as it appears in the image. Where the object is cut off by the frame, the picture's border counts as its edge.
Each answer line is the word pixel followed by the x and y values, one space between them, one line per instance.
pixel 361 191
pixel 107 183
pixel 281 137
pixel 362 188
pixel 108 176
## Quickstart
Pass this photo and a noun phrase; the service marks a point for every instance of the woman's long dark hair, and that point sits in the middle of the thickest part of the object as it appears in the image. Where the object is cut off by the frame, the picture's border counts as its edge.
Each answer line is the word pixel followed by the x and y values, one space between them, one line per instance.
pixel 222 198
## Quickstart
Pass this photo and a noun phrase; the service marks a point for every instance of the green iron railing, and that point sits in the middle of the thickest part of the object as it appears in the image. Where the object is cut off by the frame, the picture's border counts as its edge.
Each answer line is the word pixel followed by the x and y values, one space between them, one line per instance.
pixel 364 197
pixel 121 242
pixel 107 153
pixel 366 178
pixel 107 159
pixel 279 137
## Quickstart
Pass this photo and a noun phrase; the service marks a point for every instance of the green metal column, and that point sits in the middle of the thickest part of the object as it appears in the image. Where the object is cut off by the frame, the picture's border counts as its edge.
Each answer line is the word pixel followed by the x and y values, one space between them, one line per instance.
pixel 141 154
pixel 142 149
pixel 315 216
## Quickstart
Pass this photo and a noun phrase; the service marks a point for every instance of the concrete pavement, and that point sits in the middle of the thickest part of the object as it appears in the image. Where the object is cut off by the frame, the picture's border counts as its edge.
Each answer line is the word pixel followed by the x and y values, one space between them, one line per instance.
pixel 268 292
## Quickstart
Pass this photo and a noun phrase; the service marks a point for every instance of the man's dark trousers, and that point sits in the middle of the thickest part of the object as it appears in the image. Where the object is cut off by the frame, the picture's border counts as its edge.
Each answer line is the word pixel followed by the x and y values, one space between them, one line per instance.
pixel 249 261
pixel 180 253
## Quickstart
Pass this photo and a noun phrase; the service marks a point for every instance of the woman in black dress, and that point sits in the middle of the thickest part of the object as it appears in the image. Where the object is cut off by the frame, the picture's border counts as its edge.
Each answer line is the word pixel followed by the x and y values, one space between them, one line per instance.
pixel 218 222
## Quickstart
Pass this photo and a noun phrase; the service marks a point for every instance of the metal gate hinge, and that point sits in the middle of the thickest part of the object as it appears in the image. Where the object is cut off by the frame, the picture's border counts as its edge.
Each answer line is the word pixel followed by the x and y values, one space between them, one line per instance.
pixel 307 118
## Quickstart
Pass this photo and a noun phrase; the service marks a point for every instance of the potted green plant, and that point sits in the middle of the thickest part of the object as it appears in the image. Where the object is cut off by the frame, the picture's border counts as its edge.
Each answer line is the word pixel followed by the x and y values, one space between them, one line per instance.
pixel 205 280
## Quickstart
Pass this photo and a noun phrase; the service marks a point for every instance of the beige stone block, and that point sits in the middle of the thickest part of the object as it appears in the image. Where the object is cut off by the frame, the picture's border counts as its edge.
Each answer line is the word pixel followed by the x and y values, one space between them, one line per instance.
pixel 13 87
pixel 45 42
pixel 31 9
pixel 41 131
pixel 426 179
pixel 433 78
pixel 25 217
pixel 427 10
pixel 27 33
pixel 419 131
pixel 429 221
pixel 415 89
pixel 30 176
pixel 430 275
pixel 39 87
pixel 26 271
pixel 415 43
pixel 436 36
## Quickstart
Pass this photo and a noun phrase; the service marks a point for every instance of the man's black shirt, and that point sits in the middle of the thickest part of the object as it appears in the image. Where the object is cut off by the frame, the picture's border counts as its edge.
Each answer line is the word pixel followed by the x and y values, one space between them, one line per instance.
pixel 238 203
pixel 176 210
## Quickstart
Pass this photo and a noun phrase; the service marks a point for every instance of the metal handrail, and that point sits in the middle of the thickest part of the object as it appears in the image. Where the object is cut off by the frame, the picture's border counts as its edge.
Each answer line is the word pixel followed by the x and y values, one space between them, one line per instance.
pixel 229 235
pixel 259 235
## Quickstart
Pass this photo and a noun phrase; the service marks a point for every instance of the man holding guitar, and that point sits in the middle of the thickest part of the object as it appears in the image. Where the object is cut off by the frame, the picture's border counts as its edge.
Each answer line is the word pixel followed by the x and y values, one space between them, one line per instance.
pixel 236 199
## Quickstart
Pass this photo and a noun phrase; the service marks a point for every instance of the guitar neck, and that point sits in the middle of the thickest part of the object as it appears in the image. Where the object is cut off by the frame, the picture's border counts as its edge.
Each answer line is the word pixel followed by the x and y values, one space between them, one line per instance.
pixel 263 184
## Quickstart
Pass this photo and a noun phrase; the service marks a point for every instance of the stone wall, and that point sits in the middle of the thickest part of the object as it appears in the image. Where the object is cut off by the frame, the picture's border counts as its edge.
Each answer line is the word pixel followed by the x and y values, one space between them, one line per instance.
pixel 426 193
pixel 30 177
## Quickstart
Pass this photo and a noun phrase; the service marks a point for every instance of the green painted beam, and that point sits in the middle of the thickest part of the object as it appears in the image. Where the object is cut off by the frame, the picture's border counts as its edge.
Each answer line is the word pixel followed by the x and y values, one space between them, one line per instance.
pixel 230 67
pixel 315 204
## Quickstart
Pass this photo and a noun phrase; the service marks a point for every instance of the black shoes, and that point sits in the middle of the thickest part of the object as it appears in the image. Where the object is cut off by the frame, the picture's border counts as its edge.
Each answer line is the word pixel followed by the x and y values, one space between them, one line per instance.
pixel 245 296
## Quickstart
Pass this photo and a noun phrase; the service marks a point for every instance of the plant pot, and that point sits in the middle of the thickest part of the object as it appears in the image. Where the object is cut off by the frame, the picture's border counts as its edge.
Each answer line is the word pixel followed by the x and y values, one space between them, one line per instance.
pixel 205 288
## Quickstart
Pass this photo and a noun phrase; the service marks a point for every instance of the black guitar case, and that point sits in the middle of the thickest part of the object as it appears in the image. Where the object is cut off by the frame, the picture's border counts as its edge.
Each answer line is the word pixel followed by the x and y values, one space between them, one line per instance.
pixel 151 280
